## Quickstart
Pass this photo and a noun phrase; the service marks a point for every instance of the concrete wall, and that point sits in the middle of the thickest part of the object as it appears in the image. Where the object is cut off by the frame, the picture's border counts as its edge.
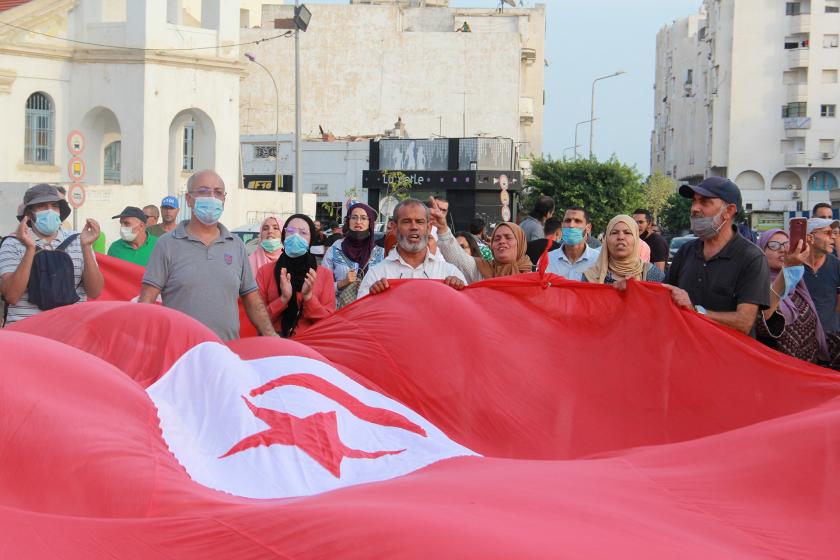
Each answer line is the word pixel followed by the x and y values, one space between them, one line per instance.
pixel 363 66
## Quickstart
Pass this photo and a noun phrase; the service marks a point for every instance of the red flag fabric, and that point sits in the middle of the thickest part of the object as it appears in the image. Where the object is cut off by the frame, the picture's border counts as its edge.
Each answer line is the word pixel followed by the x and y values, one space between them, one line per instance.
pixel 610 424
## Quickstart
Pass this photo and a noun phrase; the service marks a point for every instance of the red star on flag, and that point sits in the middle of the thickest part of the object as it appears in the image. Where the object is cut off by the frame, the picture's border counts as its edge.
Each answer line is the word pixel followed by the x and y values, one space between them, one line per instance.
pixel 316 435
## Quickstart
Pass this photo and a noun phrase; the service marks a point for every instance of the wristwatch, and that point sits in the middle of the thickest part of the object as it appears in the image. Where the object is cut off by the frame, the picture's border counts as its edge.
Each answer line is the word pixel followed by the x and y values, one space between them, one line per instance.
pixel 700 309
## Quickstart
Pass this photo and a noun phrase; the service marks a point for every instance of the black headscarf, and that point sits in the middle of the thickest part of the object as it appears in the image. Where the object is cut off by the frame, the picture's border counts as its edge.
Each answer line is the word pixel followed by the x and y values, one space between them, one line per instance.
pixel 297 268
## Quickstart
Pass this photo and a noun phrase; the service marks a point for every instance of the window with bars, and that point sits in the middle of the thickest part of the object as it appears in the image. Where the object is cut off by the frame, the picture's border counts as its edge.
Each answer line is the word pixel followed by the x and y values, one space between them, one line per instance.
pixel 39 138
pixel 112 158
pixel 188 163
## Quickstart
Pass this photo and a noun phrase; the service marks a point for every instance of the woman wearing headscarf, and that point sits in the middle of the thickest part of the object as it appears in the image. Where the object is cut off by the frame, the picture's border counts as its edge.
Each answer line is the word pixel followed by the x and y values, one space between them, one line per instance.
pixel 791 324
pixel 507 245
pixel 271 244
pixel 620 256
pixel 350 260
pixel 296 291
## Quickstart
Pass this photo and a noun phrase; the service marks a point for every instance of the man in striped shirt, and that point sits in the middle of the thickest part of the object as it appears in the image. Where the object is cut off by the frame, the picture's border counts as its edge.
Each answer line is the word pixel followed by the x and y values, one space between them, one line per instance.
pixel 40 229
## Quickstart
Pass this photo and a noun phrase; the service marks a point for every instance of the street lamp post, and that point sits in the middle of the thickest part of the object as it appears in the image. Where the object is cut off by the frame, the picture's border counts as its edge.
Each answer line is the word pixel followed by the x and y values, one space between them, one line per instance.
pixel 576 135
pixel 277 183
pixel 298 23
pixel 592 108
pixel 565 150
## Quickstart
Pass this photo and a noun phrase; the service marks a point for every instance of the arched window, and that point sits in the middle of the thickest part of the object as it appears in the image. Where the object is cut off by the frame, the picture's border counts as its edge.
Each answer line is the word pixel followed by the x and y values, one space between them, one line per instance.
pixel 112 166
pixel 822 181
pixel 40 129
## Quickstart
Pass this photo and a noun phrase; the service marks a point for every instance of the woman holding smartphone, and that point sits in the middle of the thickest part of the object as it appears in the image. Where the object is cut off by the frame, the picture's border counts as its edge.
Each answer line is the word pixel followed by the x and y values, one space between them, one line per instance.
pixel 791 324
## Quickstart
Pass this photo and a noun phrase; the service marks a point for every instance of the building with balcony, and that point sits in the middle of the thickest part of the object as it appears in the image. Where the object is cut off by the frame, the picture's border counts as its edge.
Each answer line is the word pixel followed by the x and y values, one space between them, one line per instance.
pixel 748 89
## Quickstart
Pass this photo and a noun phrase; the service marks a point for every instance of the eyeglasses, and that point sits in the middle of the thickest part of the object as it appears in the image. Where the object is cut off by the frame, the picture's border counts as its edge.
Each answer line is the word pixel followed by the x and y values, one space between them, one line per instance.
pixel 777 245
pixel 358 219
pixel 303 232
pixel 207 192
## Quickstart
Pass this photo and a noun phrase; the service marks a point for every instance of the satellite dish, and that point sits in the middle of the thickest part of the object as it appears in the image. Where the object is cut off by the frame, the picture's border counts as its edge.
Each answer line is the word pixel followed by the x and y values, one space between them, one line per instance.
pixel 387 205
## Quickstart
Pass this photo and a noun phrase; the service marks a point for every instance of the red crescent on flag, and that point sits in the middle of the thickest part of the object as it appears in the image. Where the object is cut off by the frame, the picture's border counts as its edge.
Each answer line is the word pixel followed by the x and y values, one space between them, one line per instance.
pixel 357 408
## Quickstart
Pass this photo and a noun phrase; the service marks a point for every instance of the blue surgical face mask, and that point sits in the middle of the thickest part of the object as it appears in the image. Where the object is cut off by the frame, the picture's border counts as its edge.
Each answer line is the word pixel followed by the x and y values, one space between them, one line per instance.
pixel 208 209
pixel 47 221
pixel 295 246
pixel 271 245
pixel 572 235
pixel 792 277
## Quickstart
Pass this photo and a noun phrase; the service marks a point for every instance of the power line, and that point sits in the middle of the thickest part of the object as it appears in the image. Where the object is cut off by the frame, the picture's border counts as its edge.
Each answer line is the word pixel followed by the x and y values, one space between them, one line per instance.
pixel 257 42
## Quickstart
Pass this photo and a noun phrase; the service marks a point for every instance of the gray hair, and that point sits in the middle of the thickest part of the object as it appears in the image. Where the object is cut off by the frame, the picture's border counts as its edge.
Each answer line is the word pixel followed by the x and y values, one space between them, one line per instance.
pixel 409 202
pixel 194 177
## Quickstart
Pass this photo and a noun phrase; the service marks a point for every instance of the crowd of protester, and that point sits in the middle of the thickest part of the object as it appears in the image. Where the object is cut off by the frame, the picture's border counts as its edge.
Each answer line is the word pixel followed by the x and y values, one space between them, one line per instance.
pixel 786 296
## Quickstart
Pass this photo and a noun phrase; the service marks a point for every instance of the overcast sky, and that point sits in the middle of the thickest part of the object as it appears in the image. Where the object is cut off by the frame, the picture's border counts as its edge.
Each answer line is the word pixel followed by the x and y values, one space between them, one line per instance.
pixel 590 38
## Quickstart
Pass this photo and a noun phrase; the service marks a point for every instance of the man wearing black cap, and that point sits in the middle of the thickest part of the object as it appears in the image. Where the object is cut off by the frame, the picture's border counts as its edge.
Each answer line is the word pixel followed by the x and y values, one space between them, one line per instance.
pixel 44 210
pixel 135 244
pixel 721 274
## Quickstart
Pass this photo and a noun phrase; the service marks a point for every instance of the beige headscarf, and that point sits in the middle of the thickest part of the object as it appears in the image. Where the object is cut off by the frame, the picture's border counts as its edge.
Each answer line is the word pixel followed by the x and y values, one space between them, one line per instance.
pixel 629 267
pixel 493 269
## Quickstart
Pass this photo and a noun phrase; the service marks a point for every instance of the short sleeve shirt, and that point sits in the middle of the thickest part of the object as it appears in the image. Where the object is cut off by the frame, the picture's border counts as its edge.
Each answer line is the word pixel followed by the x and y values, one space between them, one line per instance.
pixel 11 255
pixel 205 282
pixel 822 286
pixel 532 228
pixel 123 250
pixel 737 274
pixel 658 247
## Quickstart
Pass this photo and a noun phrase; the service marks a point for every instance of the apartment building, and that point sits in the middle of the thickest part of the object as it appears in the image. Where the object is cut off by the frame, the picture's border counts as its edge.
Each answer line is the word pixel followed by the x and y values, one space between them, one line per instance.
pixel 748 89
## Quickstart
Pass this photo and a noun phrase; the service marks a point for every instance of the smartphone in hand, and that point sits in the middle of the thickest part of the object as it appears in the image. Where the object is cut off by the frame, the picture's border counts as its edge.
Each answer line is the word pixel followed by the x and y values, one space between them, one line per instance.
pixel 797 232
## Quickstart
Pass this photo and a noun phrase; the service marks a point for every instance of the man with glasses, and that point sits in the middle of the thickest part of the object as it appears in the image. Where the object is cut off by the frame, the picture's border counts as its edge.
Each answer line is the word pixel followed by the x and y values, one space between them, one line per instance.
pixel 822 271
pixel 202 269
pixel 823 210
pixel 412 257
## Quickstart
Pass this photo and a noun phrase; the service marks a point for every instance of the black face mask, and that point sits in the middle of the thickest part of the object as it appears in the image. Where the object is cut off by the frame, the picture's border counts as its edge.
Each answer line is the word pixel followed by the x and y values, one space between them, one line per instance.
pixel 359 235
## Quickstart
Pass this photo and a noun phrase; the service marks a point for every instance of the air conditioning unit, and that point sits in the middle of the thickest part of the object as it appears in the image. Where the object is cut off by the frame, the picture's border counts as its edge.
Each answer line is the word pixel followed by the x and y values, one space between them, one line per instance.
pixel 826 155
pixel 796 194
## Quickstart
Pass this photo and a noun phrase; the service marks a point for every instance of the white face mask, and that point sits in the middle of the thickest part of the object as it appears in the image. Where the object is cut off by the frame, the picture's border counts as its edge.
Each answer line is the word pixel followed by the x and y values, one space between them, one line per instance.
pixel 128 234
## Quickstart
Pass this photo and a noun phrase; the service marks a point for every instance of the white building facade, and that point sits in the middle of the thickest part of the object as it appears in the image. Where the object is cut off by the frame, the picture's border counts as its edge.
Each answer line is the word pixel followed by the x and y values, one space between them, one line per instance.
pixel 366 65
pixel 332 170
pixel 151 111
pixel 748 89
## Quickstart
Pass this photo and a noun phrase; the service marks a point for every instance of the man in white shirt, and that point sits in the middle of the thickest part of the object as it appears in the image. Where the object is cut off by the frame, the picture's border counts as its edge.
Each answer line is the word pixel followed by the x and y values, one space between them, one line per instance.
pixel 411 258
pixel 574 255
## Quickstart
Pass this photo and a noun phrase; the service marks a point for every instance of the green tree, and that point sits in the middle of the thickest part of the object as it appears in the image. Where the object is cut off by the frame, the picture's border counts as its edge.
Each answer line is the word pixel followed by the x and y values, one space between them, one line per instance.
pixel 605 189
pixel 657 190
pixel 675 214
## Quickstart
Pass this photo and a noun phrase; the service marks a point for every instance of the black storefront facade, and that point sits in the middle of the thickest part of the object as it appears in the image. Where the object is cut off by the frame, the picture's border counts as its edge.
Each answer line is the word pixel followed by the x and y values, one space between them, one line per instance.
pixel 476 175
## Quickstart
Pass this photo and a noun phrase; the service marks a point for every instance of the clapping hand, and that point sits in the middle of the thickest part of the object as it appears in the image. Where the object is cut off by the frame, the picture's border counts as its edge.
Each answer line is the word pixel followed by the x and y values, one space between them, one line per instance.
pixel 285 286
pixel 306 290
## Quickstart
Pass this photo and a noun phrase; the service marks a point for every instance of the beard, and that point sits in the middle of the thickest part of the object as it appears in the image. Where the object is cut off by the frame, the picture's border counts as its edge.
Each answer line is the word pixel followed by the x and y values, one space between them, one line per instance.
pixel 409 247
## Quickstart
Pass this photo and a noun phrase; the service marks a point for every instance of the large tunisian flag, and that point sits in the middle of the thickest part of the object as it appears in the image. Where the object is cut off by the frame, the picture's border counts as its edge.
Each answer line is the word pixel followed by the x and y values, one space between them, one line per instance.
pixel 525 417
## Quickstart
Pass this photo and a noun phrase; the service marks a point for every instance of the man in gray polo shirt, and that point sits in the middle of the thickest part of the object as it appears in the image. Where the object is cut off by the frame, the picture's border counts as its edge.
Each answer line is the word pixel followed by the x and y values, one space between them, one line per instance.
pixel 201 269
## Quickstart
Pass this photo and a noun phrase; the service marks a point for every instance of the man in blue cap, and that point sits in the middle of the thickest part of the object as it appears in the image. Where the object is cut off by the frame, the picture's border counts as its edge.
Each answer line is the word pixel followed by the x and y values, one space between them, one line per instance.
pixel 169 217
pixel 720 274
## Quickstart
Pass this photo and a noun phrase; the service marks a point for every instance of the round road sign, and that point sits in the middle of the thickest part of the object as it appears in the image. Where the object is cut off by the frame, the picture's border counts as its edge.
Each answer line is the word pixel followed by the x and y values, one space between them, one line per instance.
pixel 76 169
pixel 76 195
pixel 76 142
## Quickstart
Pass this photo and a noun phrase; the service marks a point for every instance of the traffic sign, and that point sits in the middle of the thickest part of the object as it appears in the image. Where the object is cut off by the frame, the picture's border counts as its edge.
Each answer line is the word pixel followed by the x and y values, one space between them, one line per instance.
pixel 76 195
pixel 76 142
pixel 76 169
